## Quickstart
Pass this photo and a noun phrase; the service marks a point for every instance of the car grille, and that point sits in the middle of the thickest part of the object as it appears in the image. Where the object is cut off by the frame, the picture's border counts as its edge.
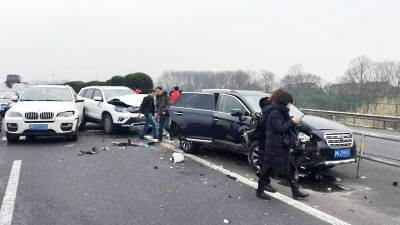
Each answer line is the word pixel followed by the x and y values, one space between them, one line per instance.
pixel 339 140
pixel 35 115
pixel 31 116
pixel 46 115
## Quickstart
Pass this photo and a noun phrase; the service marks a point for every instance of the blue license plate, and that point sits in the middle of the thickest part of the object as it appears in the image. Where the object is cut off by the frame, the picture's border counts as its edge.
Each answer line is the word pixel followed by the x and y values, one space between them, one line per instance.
pixel 38 127
pixel 342 153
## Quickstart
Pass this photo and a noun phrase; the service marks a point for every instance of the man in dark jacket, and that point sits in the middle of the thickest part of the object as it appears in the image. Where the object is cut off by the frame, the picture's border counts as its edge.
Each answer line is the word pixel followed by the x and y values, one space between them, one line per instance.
pixel 163 102
pixel 277 156
pixel 147 109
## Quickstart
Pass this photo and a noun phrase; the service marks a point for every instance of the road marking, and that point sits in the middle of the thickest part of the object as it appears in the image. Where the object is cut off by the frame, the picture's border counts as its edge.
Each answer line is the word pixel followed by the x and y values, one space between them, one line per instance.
pixel 301 206
pixel 7 208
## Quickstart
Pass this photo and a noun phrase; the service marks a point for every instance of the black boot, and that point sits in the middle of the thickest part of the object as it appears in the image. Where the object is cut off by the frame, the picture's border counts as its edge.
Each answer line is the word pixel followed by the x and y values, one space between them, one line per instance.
pixel 262 195
pixel 298 194
pixel 269 188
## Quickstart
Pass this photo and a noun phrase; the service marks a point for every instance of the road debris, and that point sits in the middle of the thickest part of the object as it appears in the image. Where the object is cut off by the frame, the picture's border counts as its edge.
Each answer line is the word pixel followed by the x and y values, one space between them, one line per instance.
pixel 226 221
pixel 171 167
pixel 232 177
pixel 71 145
pixel 215 185
pixel 230 196
pixel 329 189
pixel 156 167
pixel 106 149
pixel 177 157
pixel 92 152
pixel 395 184
pixel 368 189
pixel 363 177
pixel 351 210
pixel 102 139
pixel 250 178
pixel 366 197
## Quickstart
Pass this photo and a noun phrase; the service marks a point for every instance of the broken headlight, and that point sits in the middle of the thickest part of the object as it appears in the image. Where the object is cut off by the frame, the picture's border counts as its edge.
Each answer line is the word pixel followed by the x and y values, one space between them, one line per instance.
pixel 121 109
pixel 133 109
pixel 303 138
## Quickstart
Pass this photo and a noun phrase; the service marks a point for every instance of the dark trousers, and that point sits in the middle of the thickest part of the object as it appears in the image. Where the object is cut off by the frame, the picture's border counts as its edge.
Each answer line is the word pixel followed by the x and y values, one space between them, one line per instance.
pixel 149 120
pixel 163 123
pixel 265 179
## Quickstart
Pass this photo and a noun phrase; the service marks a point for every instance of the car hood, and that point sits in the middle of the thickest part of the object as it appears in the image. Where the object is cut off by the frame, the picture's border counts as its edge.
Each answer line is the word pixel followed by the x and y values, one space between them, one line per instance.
pixel 318 123
pixel 43 106
pixel 133 100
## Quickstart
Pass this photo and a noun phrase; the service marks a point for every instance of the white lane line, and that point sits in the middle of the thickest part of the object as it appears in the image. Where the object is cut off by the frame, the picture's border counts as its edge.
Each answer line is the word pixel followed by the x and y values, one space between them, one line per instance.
pixel 301 206
pixel 7 208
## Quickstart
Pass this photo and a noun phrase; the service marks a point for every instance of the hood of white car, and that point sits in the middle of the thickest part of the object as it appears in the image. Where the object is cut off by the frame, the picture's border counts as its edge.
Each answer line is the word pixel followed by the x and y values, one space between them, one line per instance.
pixel 38 106
pixel 131 100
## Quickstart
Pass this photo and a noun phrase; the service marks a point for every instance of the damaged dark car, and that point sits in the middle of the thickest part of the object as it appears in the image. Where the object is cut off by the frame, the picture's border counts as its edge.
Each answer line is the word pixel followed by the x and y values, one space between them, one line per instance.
pixel 223 118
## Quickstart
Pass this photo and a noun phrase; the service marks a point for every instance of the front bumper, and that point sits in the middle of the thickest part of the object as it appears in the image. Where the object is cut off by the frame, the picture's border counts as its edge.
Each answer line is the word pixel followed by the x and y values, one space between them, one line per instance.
pixel 131 122
pixel 335 162
pixel 54 128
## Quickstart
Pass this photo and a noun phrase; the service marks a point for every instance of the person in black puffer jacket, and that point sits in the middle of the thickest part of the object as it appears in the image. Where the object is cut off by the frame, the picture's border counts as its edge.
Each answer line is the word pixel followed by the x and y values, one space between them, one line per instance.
pixel 277 156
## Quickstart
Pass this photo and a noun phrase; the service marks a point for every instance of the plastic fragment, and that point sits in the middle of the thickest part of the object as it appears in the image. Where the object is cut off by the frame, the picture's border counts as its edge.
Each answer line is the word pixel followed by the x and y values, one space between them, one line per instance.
pixel 232 177
pixel 351 210
pixel 156 167
pixel 329 189
pixel 226 221
pixel 395 183
pixel 363 177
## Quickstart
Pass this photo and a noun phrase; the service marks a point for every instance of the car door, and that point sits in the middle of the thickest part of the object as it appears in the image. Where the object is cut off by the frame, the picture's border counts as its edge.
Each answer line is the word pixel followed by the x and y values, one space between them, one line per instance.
pixel 78 105
pixel 88 103
pixel 193 113
pixel 97 107
pixel 228 130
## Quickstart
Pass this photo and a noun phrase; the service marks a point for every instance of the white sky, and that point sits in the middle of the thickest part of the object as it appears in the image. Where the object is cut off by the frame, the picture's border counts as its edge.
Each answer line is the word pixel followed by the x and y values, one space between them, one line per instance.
pixel 78 39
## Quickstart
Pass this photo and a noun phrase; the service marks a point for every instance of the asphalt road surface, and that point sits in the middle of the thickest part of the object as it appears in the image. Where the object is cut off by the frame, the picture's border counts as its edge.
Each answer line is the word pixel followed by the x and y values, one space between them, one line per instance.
pixel 139 185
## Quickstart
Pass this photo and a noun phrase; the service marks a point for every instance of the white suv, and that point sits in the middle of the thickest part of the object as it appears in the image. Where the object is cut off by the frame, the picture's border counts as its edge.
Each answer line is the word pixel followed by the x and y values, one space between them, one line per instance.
pixel 113 107
pixel 45 110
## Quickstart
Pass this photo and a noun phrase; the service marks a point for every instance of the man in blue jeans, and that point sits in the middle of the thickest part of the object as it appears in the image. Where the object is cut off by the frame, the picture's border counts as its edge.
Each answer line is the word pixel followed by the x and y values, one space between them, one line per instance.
pixel 147 109
pixel 163 102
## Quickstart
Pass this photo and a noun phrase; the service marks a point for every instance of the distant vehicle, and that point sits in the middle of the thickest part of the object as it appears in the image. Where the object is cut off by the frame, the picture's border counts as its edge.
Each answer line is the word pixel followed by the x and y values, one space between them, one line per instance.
pixel 12 79
pixel 45 110
pixel 5 101
pixel 114 108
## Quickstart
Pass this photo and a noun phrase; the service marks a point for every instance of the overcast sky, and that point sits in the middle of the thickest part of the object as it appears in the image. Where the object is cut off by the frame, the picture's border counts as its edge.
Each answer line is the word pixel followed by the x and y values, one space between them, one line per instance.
pixel 79 39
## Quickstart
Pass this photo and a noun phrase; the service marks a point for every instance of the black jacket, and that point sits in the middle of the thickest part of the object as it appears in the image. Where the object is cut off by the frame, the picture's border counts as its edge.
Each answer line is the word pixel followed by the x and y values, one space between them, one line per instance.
pixel 277 155
pixel 163 103
pixel 147 106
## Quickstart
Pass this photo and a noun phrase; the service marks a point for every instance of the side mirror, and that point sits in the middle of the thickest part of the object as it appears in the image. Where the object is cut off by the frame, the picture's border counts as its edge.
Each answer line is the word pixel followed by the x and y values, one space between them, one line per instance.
pixel 14 98
pixel 98 99
pixel 80 99
pixel 237 113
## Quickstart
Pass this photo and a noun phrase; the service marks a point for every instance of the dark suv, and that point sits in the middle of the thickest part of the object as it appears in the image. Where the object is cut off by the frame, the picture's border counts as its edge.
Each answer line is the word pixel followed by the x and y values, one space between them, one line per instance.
pixel 222 118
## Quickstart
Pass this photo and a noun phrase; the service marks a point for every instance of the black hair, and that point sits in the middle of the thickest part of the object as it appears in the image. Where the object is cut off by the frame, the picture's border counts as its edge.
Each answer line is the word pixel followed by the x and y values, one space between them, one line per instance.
pixel 263 102
pixel 180 91
pixel 151 91
pixel 159 88
pixel 284 98
pixel 176 88
pixel 171 93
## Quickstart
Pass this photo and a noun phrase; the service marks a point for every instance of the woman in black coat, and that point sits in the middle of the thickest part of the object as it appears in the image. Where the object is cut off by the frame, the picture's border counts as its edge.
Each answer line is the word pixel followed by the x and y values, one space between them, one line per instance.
pixel 277 156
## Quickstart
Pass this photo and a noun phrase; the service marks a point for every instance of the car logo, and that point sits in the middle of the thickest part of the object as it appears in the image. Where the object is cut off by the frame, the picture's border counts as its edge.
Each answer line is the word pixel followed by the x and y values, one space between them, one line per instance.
pixel 341 138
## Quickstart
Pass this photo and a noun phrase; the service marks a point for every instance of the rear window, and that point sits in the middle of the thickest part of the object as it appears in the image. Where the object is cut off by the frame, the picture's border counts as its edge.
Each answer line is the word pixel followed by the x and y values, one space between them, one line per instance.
pixel 196 101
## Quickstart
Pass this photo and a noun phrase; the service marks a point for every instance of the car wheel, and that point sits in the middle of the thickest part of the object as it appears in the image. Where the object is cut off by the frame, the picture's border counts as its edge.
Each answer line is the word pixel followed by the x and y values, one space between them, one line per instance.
pixel 187 146
pixel 253 156
pixel 109 127
pixel 12 138
pixel 74 137
pixel 83 124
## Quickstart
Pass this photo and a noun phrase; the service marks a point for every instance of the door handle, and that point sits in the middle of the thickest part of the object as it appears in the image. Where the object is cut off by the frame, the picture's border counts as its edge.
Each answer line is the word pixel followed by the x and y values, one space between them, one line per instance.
pixel 217 120
pixel 178 113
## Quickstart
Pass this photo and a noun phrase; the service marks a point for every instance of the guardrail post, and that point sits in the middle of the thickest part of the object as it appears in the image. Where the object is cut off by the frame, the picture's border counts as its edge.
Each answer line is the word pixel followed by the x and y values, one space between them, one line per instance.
pixel 395 114
pixel 362 146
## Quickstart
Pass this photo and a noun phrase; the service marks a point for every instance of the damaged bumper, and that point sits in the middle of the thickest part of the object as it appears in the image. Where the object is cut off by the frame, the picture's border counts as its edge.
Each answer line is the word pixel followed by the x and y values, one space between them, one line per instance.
pixel 335 162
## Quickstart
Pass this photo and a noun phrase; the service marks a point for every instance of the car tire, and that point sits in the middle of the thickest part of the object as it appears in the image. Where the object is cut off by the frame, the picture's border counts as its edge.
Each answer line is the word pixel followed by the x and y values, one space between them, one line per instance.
pixel 108 124
pixel 83 124
pixel 188 146
pixel 74 137
pixel 252 156
pixel 12 138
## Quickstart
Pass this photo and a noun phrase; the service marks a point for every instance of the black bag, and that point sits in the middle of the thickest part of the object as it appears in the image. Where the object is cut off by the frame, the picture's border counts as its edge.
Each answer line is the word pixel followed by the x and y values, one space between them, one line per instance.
pixel 253 132
pixel 289 139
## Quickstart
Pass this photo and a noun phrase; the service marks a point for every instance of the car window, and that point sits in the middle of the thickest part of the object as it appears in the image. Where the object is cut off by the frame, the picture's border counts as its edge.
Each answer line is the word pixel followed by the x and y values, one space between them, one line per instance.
pixel 227 103
pixel 88 93
pixel 181 101
pixel 97 93
pixel 82 93
pixel 201 101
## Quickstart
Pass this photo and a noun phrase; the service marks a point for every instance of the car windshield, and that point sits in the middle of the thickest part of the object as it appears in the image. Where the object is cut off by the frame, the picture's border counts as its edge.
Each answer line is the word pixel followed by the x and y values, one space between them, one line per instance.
pixel 254 101
pixel 111 93
pixel 6 94
pixel 12 77
pixel 47 94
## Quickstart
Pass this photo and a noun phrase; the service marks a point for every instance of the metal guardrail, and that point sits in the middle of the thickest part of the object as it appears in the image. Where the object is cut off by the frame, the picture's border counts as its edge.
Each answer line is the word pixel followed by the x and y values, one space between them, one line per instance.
pixel 368 156
pixel 335 114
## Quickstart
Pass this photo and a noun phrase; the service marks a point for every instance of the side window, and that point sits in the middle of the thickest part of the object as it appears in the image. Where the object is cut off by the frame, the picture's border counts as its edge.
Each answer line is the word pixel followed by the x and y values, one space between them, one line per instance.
pixel 97 93
pixel 74 94
pixel 227 103
pixel 82 93
pixel 201 101
pixel 88 93
pixel 181 101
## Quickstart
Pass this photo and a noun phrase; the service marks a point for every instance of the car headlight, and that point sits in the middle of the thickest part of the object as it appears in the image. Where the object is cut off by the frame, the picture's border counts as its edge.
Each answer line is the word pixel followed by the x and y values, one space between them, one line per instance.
pixel 13 114
pixel 121 109
pixel 66 114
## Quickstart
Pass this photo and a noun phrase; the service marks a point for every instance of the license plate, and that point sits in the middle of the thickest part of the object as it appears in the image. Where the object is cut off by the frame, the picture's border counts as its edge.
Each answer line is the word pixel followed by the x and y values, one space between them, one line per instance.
pixel 342 153
pixel 2 109
pixel 38 127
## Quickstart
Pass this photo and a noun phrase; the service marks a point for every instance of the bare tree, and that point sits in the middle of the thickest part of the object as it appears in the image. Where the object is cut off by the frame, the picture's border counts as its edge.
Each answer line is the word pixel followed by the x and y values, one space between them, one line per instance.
pixel 267 80
pixel 359 73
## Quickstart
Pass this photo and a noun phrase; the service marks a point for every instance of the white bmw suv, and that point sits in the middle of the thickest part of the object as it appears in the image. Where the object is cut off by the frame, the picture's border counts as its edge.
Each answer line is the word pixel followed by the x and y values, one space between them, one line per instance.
pixel 45 110
pixel 113 107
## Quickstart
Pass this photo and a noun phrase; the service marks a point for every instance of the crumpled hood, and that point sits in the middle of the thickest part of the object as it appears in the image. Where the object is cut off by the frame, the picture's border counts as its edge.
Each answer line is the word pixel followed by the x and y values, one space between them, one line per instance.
pixel 133 100
pixel 43 106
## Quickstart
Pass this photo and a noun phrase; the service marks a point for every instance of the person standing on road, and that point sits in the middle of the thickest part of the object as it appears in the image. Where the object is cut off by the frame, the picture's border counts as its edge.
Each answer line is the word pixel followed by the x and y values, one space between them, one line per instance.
pixel 147 109
pixel 163 102
pixel 175 94
pixel 279 138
